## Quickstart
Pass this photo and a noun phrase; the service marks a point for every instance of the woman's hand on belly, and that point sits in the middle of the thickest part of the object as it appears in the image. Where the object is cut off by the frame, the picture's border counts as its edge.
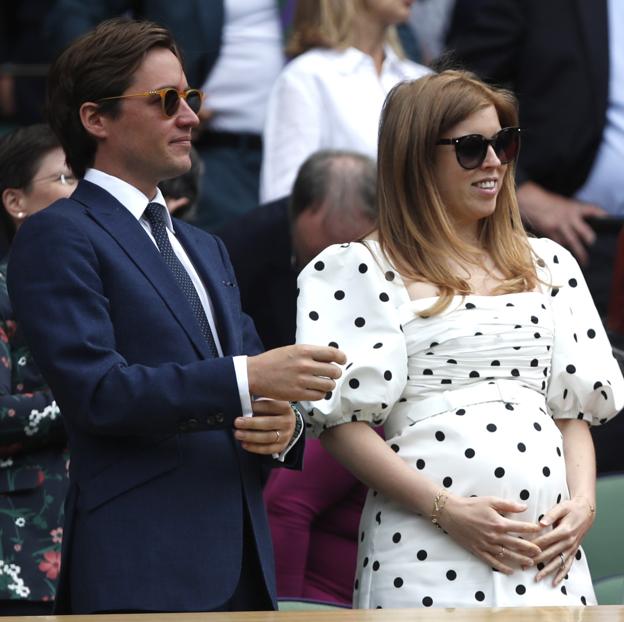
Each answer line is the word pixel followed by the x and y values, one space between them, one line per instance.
pixel 571 520
pixel 480 525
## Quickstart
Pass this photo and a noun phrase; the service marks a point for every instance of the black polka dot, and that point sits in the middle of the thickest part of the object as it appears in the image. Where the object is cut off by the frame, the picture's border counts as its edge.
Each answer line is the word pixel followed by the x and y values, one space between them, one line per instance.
pixel 396 538
pixel 495 363
pixel 583 600
pixel 499 472
pixel 469 453
pixel 524 494
pixel 427 372
pixel 540 565
pixel 451 575
pixel 591 333
pixel 461 412
pixel 491 427
pixel 389 275
pixel 515 372
pixel 365 562
pixel 534 363
pixel 375 566
pixel 559 498
pixel 384 297
pixel 319 265
pixel 420 464
pixel 578 554
pixel 446 381
pixel 509 406
pixel 537 426
pixel 474 374
pixel 572 282
pixel 427 601
pixel 554 291
pixel 571 369
pixel 398 582
pixel 378 518
pixel 363 268
pixel 339 294
pixel 328 395
pixel 356 585
pixel 378 345
pixel 521 447
pixel 480 596
pixel 439 435
pixel 362 537
pixel 536 335
pixel 555 259
pixel 558 452
pixel 313 315
pixel 422 555
pixel 395 448
pixel 563 590
pixel 447 482
pixel 469 305
pixel 534 319
pixel 387 375
pixel 520 589
pixel 333 344
pixel 546 471
pixel 359 322
pixel 354 383
pixel 452 362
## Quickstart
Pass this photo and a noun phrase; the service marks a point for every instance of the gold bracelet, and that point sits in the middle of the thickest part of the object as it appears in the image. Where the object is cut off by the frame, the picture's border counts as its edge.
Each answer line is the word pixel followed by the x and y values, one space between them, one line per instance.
pixel 592 508
pixel 439 501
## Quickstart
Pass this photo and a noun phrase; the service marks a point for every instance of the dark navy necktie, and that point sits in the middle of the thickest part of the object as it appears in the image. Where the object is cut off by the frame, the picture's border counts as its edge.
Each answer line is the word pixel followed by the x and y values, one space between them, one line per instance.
pixel 154 215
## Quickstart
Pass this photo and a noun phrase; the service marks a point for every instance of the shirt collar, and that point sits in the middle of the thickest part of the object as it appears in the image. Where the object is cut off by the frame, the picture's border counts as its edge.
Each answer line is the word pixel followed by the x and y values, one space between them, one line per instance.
pixel 349 59
pixel 129 196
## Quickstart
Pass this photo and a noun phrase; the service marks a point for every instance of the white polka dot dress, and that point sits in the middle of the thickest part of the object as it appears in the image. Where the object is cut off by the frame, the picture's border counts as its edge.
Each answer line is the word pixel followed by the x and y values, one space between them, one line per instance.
pixel 468 398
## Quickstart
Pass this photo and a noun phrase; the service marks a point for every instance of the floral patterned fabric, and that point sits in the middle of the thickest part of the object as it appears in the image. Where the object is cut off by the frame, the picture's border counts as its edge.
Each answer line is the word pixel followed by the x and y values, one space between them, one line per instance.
pixel 33 469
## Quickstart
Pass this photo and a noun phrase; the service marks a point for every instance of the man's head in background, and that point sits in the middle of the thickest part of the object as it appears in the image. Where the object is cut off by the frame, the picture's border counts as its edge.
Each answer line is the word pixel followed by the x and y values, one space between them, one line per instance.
pixel 333 201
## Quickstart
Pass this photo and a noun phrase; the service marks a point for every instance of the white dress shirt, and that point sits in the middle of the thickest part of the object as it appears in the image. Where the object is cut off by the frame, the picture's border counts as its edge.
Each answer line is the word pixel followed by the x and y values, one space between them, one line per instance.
pixel 136 202
pixel 325 99
pixel 250 59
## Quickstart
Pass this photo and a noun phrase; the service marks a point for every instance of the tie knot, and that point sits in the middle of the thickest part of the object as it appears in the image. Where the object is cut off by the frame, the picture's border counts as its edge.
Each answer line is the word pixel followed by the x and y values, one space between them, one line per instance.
pixel 154 213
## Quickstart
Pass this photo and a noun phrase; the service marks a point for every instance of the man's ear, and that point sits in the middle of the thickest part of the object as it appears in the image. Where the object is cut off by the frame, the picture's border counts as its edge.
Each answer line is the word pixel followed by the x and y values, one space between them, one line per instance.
pixel 93 120
pixel 13 201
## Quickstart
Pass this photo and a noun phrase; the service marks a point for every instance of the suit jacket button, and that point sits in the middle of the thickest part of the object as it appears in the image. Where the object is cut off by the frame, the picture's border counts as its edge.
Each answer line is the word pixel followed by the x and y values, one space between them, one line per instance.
pixel 192 424
pixel 211 420
pixel 220 418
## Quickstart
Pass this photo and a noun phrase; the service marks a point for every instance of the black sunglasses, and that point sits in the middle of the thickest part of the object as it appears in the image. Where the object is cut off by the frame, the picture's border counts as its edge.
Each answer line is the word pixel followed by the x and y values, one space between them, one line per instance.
pixel 170 99
pixel 471 150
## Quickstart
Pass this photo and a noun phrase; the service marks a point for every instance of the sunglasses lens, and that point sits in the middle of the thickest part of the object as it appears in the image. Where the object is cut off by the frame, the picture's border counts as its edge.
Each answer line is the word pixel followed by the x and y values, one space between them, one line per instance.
pixel 507 145
pixel 194 100
pixel 471 151
pixel 171 101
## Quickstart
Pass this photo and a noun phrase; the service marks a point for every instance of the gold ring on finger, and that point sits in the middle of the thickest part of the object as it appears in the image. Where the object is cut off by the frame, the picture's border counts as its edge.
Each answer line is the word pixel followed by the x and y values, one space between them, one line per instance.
pixel 277 436
pixel 562 558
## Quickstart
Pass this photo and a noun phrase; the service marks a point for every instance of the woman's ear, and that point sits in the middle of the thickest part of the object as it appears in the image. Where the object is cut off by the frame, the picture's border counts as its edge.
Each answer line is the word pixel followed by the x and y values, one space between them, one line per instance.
pixel 13 200
pixel 93 120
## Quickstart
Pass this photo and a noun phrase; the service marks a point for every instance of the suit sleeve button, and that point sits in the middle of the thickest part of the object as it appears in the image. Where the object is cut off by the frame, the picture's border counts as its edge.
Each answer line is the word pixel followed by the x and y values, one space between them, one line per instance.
pixel 193 424
pixel 219 418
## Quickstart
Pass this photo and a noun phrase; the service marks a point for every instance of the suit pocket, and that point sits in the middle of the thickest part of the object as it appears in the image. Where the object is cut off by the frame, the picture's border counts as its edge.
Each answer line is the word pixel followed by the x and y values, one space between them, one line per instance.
pixel 129 473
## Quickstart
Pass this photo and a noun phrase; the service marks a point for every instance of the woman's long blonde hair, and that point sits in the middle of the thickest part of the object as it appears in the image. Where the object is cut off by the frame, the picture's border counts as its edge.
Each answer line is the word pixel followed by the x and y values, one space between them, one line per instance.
pixel 415 230
pixel 328 24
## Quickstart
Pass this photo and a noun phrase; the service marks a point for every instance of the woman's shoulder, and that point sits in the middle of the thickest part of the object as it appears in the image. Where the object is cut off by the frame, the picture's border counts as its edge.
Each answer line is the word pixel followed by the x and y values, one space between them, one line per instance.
pixel 363 256
pixel 551 253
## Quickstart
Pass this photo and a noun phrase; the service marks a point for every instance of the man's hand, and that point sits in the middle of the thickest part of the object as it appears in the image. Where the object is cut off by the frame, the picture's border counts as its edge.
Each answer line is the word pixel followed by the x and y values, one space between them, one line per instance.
pixel 295 373
pixel 270 429
pixel 559 218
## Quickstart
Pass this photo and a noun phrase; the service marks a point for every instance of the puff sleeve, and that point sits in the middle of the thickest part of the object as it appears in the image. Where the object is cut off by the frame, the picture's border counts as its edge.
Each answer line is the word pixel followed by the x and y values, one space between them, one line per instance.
pixel 585 380
pixel 349 298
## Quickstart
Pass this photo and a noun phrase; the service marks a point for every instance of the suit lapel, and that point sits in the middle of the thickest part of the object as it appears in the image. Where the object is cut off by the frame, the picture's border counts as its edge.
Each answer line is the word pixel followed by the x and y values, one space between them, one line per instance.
pixel 593 22
pixel 127 232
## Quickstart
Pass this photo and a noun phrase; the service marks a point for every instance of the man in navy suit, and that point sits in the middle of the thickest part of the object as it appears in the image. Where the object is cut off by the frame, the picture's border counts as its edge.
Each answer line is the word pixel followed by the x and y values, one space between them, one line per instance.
pixel 135 321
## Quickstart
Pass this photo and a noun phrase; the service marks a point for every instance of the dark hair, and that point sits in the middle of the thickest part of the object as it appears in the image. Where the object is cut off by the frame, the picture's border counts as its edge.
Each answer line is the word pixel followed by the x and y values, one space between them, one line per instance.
pixel 101 63
pixel 186 185
pixel 346 179
pixel 21 153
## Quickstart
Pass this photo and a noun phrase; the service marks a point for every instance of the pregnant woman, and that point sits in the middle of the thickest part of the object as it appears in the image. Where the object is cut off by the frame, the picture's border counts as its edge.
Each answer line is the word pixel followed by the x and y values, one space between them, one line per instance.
pixel 479 350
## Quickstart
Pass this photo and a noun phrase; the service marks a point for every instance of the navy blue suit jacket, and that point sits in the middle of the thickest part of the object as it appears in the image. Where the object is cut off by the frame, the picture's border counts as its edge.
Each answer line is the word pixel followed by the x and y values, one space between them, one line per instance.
pixel 154 517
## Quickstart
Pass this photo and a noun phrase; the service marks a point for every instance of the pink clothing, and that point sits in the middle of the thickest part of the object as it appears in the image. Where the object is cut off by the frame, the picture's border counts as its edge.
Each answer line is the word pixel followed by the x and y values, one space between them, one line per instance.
pixel 314 516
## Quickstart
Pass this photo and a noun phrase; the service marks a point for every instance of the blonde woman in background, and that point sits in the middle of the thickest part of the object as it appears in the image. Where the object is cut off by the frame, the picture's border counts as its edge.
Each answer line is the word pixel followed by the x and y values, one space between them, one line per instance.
pixel 346 58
